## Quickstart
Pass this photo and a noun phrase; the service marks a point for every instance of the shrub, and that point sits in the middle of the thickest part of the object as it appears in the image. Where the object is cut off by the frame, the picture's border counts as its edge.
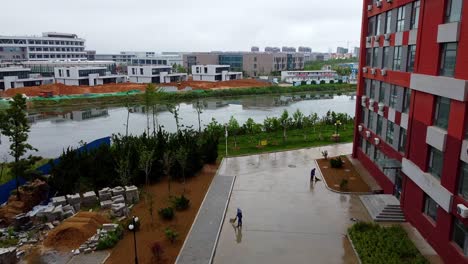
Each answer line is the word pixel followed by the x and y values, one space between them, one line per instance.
pixel 157 251
pixel 322 82
pixel 303 83
pixel 111 239
pixel 325 154
pixel 336 162
pixel 166 213
pixel 171 234
pixel 332 81
pixel 344 184
pixel 180 202
pixel 340 81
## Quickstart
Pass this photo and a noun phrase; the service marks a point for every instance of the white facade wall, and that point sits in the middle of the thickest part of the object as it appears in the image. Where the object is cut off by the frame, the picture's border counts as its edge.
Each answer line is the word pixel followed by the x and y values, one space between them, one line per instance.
pixel 144 74
pixel 71 76
pixel 209 73
pixel 13 81
pixel 299 76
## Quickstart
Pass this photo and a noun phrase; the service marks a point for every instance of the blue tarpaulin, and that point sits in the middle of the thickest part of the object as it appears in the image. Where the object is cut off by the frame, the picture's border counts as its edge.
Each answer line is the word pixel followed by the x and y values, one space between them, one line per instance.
pixel 5 189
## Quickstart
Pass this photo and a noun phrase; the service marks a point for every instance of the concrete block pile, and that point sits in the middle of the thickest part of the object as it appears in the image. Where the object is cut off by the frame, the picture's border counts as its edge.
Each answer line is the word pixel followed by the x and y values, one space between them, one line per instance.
pixel 74 200
pixel 91 244
pixel 89 198
pixel 116 191
pixel 22 222
pixel 59 200
pixel 131 194
pixel 119 209
pixel 105 194
pixel 8 255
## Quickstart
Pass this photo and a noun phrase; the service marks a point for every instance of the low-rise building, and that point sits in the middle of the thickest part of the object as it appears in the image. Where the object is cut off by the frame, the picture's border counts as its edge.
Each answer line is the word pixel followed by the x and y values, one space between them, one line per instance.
pixel 214 73
pixel 90 76
pixel 154 74
pixel 17 77
pixel 309 76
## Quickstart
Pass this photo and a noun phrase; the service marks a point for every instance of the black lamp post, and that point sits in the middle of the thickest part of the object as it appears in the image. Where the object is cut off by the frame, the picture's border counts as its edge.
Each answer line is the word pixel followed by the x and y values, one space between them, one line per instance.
pixel 132 227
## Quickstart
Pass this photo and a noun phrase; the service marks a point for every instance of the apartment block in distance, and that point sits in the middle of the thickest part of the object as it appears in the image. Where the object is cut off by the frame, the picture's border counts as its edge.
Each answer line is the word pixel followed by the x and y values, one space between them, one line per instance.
pixel 17 77
pixel 412 114
pixel 154 74
pixel 89 76
pixel 214 73
pixel 49 46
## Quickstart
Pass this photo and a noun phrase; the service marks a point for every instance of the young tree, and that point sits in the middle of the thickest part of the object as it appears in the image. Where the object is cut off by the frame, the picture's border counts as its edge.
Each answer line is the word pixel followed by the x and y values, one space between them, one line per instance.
pixel 233 128
pixel 181 156
pixel 284 120
pixel 14 125
pixel 168 160
pixel 175 111
pixel 150 204
pixel 199 109
pixel 146 161
pixel 148 99
pixel 298 117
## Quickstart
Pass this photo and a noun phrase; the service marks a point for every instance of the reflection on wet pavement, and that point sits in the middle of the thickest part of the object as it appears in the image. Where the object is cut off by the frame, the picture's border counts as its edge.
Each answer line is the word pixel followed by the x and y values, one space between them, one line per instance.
pixel 287 219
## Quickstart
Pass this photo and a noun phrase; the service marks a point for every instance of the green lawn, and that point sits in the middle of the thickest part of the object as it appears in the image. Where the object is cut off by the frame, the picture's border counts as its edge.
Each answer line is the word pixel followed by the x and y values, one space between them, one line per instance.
pixel 377 244
pixel 5 174
pixel 297 138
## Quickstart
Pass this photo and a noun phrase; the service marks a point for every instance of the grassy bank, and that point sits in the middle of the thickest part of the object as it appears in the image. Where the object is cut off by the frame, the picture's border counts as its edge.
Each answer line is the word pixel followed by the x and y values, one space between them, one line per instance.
pixel 377 244
pixel 298 138
pixel 136 98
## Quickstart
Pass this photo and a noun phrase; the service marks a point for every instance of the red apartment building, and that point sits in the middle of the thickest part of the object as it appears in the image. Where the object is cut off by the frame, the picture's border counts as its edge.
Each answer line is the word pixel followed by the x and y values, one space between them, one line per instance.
pixel 412 114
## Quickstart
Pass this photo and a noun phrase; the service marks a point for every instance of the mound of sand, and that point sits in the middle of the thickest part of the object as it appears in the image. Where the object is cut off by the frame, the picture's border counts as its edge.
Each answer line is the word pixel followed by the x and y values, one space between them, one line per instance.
pixel 74 231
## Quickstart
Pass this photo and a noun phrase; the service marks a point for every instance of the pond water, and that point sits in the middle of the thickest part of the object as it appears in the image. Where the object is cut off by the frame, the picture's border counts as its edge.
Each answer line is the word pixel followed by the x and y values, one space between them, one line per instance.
pixel 55 130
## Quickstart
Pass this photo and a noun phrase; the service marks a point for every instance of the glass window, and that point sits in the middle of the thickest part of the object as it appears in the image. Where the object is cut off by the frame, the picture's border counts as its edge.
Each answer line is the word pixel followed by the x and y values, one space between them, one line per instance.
pixel 368 57
pixel 371 26
pixel 430 207
pixel 377 27
pixel 379 125
pixel 401 19
pixel 385 58
pixel 372 89
pixel 411 57
pixel 393 96
pixel 382 93
pixel 436 158
pixel 442 112
pixel 375 56
pixel 363 143
pixel 388 23
pixel 390 130
pixel 463 181
pixel 397 58
pixel 415 15
pixel 406 100
pixel 460 236
pixel 453 11
pixel 370 120
pixel 368 146
pixel 448 59
pixel 402 141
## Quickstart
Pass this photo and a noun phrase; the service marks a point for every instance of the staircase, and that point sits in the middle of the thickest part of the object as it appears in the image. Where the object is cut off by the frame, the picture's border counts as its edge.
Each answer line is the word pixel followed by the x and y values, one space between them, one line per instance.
pixel 383 207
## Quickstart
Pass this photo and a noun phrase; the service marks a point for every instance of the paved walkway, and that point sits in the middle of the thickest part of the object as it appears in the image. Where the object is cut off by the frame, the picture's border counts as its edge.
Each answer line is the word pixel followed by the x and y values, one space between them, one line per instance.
pixel 96 257
pixel 202 238
pixel 286 220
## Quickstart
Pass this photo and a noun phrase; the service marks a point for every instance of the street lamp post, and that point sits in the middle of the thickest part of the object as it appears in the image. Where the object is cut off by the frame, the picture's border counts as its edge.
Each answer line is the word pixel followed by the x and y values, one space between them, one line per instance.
pixel 132 227
pixel 226 135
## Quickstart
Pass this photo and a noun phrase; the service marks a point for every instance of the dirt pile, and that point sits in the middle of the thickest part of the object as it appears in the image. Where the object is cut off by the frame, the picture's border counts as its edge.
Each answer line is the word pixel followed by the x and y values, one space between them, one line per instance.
pixel 31 194
pixel 74 231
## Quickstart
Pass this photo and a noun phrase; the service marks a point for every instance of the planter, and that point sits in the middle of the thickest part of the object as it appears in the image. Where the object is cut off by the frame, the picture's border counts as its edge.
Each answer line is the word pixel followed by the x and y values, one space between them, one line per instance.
pixel 335 137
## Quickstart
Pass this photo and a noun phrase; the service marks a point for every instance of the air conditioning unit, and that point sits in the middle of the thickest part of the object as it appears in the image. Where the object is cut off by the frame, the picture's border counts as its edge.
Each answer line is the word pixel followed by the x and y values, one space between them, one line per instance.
pixel 371 103
pixel 378 3
pixel 462 210
pixel 387 36
pixel 368 39
pixel 373 71
pixel 363 100
pixel 376 38
pixel 364 69
pixel 383 72
pixel 359 128
pixel 381 107
pixel 389 1
pixel 367 134
pixel 376 140
pixel 369 7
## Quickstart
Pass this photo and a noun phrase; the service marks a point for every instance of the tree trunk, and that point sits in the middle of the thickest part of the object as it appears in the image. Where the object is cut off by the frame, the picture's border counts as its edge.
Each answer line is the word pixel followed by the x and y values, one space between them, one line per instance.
pixel 18 196
pixel 154 124
pixel 128 118
pixel 199 122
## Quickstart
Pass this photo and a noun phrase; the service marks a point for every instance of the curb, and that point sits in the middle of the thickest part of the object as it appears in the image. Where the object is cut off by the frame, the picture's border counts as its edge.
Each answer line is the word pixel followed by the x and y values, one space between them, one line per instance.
pixel 354 249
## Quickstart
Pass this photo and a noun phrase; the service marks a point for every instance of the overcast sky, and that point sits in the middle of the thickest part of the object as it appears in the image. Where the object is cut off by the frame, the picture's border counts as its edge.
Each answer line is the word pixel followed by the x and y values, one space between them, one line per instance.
pixel 189 25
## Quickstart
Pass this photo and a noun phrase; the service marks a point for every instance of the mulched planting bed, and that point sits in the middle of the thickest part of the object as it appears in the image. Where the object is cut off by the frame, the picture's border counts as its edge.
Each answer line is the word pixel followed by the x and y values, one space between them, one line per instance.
pixel 334 177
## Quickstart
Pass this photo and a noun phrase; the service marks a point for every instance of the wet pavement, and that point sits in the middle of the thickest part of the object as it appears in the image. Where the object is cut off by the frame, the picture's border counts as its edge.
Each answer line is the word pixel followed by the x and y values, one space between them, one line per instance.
pixel 286 219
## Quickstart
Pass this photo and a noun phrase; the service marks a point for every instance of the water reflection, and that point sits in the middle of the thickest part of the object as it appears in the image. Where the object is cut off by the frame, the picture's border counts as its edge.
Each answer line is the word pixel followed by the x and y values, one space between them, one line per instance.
pixel 54 130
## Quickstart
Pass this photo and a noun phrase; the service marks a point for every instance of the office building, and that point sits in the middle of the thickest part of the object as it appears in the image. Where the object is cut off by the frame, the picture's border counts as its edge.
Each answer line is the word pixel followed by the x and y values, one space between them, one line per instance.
pixel 315 77
pixel 89 76
pixel 341 50
pixel 46 68
pixel 154 74
pixel 214 73
pixel 412 114
pixel 49 46
pixel 17 77
pixel 255 49
pixel 142 58
pixel 304 50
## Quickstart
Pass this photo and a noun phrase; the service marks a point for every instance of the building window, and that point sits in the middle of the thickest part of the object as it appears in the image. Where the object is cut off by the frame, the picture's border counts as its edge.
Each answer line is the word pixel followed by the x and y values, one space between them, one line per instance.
pixel 375 56
pixel 430 207
pixel 370 120
pixel 363 143
pixel 402 141
pixel 388 23
pixel 401 19
pixel 390 130
pixel 415 15
pixel 372 89
pixel 411 57
pixel 448 59
pixel 68 73
pixel 385 58
pixel 463 181
pixel 406 100
pixel 393 96
pixel 368 57
pixel 382 93
pixel 397 58
pixel 436 158
pixel 133 71
pixel 141 71
pixel 442 112
pixel 377 27
pixel 453 11
pixel 368 146
pixel 379 125
pixel 371 26
pixel 363 114
pixel 460 236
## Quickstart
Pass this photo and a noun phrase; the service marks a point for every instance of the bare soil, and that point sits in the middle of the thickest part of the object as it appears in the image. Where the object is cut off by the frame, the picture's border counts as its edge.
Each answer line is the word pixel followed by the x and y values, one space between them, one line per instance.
pixel 153 231
pixel 333 177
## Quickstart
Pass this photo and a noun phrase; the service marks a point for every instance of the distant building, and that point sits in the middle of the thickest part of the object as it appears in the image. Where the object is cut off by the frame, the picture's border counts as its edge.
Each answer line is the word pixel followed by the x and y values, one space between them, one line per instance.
pixel 309 76
pixel 341 50
pixel 90 55
pixel 142 58
pixel 255 49
pixel 17 77
pixel 49 46
pixel 81 115
pixel 214 73
pixel 288 49
pixel 272 49
pixel 304 50
pixel 154 74
pixel 46 68
pixel 89 76
pixel 356 52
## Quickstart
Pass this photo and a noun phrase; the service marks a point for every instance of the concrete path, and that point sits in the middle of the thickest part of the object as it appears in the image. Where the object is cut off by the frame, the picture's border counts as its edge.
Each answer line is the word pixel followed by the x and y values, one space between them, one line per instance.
pixel 202 238
pixel 286 219
pixel 96 257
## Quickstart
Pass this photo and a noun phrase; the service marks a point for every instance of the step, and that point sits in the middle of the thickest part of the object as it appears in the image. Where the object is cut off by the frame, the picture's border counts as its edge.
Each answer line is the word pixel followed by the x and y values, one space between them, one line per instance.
pixel 384 217
pixel 390 220
pixel 392 209
pixel 392 206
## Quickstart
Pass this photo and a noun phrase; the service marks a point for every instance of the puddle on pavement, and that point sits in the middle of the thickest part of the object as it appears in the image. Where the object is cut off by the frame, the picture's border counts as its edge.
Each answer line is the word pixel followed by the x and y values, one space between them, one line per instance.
pixel 292 166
